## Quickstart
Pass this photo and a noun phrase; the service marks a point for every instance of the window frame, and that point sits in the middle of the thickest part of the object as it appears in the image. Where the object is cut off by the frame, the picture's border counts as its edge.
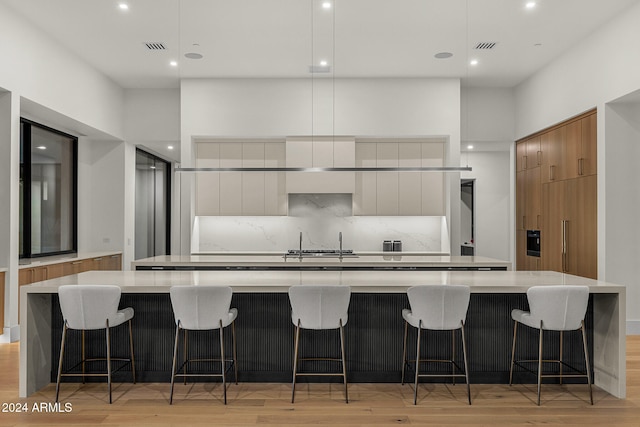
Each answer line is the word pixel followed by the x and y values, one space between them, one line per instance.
pixel 25 146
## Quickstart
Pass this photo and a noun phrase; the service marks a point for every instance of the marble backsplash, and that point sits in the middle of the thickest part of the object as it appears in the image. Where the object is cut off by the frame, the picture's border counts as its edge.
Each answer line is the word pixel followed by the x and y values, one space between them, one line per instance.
pixel 320 218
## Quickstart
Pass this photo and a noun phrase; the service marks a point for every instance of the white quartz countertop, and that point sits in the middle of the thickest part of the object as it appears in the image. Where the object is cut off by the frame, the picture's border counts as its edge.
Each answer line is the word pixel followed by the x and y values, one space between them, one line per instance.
pixel 56 259
pixel 280 253
pixel 2 270
pixel 360 281
pixel 390 259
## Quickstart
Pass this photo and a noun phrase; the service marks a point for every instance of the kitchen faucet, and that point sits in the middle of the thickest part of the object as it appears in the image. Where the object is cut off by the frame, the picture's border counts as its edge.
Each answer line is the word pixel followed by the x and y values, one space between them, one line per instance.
pixel 300 253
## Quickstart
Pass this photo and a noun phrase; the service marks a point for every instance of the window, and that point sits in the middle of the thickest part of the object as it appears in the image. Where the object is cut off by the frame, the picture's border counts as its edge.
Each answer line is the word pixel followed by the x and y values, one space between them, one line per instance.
pixel 48 191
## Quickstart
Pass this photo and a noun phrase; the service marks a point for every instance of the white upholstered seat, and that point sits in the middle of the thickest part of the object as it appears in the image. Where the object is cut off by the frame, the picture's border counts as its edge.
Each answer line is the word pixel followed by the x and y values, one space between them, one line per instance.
pixel 553 308
pixel 91 307
pixel 319 307
pixel 436 307
pixel 203 308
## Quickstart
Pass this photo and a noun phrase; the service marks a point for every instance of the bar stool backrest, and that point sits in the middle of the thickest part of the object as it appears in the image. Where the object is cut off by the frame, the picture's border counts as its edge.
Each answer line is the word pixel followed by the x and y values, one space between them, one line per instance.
pixel 201 307
pixel 560 308
pixel 319 307
pixel 439 307
pixel 89 306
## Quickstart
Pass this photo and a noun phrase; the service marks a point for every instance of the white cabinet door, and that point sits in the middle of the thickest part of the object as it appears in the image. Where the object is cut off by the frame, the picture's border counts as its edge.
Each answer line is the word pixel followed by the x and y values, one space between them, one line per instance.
pixel 207 183
pixel 409 183
pixel 275 192
pixel 365 197
pixel 253 195
pixel 230 182
pixel 433 183
pixel 387 182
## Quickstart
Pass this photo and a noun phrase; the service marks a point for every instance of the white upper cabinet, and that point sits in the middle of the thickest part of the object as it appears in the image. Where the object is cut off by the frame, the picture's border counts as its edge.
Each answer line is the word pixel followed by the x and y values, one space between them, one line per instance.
pixel 320 152
pixel 399 193
pixel 240 193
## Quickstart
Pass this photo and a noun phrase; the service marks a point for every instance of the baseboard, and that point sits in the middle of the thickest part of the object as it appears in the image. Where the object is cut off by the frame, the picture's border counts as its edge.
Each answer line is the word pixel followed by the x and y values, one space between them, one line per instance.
pixel 633 327
pixel 11 334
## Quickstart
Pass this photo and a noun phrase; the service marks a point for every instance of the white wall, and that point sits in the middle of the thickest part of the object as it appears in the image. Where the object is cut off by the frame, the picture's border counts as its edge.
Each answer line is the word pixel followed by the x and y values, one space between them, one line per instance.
pixel 623 204
pixel 100 195
pixel 282 107
pixel 492 172
pixel 37 68
pixel 603 67
pixel 488 123
pixel 152 115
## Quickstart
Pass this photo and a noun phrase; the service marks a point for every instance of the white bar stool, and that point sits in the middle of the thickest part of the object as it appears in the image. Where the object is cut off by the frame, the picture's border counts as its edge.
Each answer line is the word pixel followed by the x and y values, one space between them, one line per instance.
pixel 203 308
pixel 319 308
pixel 92 307
pixel 436 307
pixel 554 308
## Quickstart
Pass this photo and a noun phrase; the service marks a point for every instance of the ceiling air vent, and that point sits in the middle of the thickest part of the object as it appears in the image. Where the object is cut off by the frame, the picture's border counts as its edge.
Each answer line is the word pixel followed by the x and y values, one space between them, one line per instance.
pixel 485 45
pixel 155 46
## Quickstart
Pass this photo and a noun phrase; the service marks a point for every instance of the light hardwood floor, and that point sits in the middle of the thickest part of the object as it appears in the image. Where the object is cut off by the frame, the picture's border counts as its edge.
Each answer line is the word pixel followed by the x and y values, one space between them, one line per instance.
pixel 323 404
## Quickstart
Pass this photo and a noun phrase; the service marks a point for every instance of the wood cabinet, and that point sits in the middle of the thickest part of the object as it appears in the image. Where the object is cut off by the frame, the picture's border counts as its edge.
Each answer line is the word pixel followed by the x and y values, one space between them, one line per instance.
pixel 569 237
pixel 28 275
pixel 559 197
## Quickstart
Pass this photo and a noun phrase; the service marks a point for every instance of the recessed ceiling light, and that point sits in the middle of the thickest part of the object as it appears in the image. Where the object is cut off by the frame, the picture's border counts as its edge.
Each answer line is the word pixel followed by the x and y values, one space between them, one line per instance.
pixel 326 5
pixel 41 147
pixel 530 5
pixel 474 62
pixel 123 6
pixel 443 55
pixel 323 63
pixel 469 147
pixel 170 147
pixel 173 63
pixel 152 167
pixel 193 55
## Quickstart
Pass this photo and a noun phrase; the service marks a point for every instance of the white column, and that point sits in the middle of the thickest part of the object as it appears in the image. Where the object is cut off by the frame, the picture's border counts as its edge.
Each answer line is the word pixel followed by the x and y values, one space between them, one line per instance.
pixel 9 212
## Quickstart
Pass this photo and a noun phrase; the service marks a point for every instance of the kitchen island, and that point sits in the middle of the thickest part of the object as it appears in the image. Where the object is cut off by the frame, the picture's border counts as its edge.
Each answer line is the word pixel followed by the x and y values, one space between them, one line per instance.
pixel 362 261
pixel 373 332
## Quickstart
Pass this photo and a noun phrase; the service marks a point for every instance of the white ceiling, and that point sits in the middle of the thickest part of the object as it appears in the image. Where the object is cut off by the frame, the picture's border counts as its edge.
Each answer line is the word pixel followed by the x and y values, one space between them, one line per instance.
pixel 282 38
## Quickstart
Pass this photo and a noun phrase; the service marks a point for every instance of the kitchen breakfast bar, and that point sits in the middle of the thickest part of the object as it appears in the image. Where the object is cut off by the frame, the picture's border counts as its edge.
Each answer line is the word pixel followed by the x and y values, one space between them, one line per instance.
pixel 373 333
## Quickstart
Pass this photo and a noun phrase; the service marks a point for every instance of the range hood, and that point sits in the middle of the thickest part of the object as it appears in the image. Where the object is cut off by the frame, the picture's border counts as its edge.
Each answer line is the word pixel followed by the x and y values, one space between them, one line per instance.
pixel 323 153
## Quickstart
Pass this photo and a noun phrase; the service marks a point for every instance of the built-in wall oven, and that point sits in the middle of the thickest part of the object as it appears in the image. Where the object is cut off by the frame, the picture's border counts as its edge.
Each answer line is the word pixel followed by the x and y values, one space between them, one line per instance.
pixel 533 243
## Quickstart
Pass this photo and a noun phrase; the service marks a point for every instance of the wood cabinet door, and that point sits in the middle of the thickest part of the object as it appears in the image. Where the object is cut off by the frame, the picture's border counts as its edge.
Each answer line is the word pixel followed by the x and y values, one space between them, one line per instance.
pixel 521 250
pixel 573 149
pixel 54 271
pixel 114 262
pixel 589 157
pixel 521 153
pixel 553 146
pixel 25 276
pixel 553 202
pixel 534 153
pixel 586 216
pixel 533 200
pixel 521 198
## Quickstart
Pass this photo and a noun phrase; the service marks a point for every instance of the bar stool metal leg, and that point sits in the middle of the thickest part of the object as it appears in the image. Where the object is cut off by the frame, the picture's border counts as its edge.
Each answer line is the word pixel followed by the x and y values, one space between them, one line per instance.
pixel 453 356
pixel 108 359
pixel 344 363
pixel 540 365
pixel 404 351
pixel 84 357
pixel 185 343
pixel 415 390
pixel 295 362
pixel 561 344
pixel 513 351
pixel 235 358
pixel 173 365
pixel 586 360
pixel 133 360
pixel 466 365
pixel 64 337
pixel 222 363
